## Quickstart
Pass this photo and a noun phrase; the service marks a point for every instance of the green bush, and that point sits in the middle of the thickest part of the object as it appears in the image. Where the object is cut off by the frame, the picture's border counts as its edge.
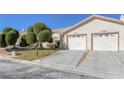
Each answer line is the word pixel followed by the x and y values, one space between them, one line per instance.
pixel 23 41
pixel 41 37
pixel 2 41
pixel 31 38
pixel 38 27
pixel 6 30
pixel 11 38
pixel 9 29
pixel 44 36
pixel 14 35
pixel 39 33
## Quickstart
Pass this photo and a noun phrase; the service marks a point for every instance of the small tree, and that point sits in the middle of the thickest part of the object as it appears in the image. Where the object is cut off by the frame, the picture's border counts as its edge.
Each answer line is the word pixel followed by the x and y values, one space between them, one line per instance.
pixel 2 41
pixel 42 33
pixel 23 41
pixel 44 36
pixel 31 38
pixel 38 27
pixel 6 30
pixel 9 29
pixel 11 38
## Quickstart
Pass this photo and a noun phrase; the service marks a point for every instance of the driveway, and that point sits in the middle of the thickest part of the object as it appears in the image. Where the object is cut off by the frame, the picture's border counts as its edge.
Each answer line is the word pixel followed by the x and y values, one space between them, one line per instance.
pixel 64 58
pixel 99 64
pixel 103 65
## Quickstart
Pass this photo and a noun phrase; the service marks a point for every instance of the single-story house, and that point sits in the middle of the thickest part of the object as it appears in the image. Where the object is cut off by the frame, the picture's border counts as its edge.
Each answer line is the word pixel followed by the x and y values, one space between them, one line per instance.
pixel 97 33
pixel 56 34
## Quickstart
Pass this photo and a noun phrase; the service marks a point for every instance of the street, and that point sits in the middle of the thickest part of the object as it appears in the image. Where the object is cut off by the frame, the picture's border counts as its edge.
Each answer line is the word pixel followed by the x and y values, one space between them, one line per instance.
pixel 15 70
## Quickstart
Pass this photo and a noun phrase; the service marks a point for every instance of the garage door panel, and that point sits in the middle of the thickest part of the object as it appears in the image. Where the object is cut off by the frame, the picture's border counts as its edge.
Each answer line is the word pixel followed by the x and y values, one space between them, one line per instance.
pixel 77 42
pixel 105 42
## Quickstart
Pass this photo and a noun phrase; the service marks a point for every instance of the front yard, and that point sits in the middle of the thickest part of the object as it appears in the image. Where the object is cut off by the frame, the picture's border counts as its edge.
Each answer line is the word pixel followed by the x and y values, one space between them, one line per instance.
pixel 32 54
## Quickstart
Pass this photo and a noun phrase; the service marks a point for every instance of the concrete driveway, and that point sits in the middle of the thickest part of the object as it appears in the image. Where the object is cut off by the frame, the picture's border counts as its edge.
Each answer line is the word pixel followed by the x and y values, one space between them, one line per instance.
pixel 96 64
pixel 64 58
pixel 103 65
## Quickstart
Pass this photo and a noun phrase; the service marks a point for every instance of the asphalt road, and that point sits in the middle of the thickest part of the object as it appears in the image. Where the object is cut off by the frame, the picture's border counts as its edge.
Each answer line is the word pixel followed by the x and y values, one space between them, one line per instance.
pixel 16 70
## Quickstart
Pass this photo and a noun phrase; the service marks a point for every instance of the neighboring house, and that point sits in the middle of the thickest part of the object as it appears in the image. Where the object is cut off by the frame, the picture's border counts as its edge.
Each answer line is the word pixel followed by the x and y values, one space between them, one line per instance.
pixel 96 32
pixel 21 33
pixel 56 34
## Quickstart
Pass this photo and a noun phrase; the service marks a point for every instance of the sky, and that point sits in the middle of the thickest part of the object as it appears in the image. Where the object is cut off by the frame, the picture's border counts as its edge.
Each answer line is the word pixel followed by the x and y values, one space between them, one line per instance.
pixel 23 21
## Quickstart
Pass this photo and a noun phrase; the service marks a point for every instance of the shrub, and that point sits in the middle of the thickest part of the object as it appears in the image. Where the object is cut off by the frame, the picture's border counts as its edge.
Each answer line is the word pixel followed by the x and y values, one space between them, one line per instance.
pixel 11 38
pixel 9 29
pixel 14 35
pixel 38 27
pixel 31 38
pixel 6 30
pixel 2 41
pixel 44 36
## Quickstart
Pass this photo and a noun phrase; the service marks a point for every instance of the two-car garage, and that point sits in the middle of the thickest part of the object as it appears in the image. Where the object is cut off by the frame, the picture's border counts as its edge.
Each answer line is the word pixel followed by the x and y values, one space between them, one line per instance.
pixel 97 33
pixel 99 42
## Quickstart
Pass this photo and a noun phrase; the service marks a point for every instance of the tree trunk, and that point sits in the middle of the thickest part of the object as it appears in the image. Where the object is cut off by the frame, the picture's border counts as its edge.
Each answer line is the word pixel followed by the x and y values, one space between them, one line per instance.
pixel 37 52
pixel 41 46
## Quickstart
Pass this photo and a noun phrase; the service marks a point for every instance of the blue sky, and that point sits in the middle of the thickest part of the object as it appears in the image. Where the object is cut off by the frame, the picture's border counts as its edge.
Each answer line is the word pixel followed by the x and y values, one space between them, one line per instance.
pixel 19 21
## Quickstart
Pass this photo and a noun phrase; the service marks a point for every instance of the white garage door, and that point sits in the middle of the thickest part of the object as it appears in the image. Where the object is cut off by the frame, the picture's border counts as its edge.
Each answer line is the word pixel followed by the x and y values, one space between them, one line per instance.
pixel 105 42
pixel 77 42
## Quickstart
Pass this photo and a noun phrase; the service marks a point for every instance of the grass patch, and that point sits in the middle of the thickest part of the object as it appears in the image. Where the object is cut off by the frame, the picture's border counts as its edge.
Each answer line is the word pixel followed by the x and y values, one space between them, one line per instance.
pixel 31 54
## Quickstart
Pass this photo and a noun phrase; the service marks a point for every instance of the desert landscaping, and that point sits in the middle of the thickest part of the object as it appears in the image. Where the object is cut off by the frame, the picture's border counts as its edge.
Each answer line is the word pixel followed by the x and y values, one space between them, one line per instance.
pixel 35 43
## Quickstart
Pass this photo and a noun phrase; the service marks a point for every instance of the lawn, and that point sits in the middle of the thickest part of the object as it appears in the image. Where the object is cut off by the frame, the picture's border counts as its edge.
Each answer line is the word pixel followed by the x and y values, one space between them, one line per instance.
pixel 32 54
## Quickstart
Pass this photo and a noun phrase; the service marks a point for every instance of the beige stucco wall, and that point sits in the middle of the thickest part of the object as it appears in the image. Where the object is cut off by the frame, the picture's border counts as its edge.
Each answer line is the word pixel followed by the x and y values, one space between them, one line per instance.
pixel 98 26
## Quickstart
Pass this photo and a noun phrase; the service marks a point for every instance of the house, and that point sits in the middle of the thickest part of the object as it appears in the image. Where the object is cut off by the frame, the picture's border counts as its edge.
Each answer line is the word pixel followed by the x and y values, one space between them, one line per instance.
pixel 56 34
pixel 21 33
pixel 97 33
